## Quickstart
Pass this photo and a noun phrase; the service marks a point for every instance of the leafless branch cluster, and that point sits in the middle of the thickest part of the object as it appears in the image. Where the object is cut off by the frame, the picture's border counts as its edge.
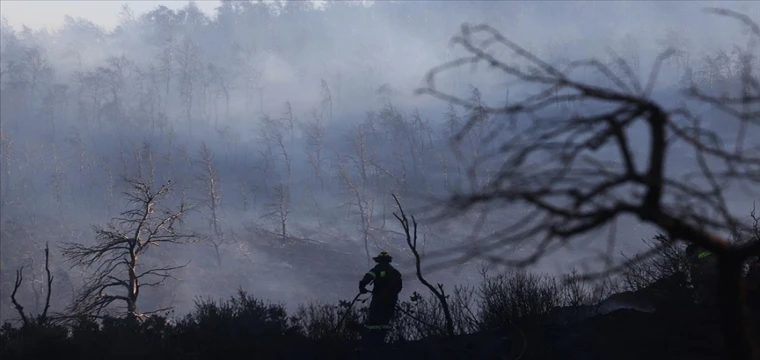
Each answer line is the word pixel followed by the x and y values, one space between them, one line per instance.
pixel 554 164
pixel 116 273
pixel 43 317
pixel 559 163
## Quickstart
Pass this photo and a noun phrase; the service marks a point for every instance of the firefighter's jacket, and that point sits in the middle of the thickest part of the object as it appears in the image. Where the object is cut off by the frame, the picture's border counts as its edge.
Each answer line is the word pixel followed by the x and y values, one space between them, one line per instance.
pixel 387 282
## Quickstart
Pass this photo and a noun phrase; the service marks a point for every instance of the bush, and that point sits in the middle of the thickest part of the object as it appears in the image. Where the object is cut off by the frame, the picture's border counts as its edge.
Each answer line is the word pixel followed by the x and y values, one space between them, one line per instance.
pixel 577 292
pixel 516 296
pixel 321 321
pixel 116 337
pixel 239 323
pixel 668 261
pixel 34 341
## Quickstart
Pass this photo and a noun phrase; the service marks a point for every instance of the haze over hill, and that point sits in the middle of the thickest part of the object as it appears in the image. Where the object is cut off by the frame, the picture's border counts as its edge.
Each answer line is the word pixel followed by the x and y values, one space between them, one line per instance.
pixel 301 115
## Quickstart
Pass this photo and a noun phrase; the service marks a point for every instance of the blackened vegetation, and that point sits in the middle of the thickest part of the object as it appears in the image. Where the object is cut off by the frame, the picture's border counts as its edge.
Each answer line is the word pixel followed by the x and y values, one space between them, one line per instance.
pixel 511 315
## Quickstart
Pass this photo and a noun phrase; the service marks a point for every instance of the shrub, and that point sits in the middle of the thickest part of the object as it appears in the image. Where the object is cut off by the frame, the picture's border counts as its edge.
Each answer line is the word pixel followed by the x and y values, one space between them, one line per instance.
pixel 516 296
pixel 34 341
pixel 321 321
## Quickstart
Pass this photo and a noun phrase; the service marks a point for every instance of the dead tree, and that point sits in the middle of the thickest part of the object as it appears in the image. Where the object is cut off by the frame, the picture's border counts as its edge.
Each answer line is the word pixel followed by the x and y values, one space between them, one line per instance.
pixel 225 85
pixel 78 143
pixel 145 159
pixel 278 210
pixel 250 75
pixel 358 191
pixel 247 192
pixel 58 178
pixel 290 121
pixel 43 317
pixel 6 162
pixel 186 57
pixel 327 103
pixel 211 199
pixel 557 163
pixel 314 131
pixel 411 241
pixel 118 274
pixel 272 133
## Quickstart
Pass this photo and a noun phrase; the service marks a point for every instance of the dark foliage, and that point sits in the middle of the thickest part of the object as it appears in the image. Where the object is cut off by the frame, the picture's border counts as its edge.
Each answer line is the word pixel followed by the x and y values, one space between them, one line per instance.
pixel 508 316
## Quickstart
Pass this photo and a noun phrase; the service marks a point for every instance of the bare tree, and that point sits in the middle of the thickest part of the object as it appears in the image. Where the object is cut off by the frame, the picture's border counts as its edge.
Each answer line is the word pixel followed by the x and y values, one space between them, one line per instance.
pixel 395 125
pixel 231 140
pixel 6 163
pixel 54 106
pixel 287 120
pixel 224 86
pixel 78 143
pixel 211 199
pixel 314 132
pixel 272 134
pixel 250 74
pixel 146 162
pixel 38 68
pixel 165 68
pixel 327 103
pixel 248 192
pixel 186 56
pixel 358 193
pixel 279 208
pixel 114 81
pixel 555 165
pixel 118 273
pixel 421 134
pixel 149 95
pixel 290 121
pixel 58 178
pixel 205 75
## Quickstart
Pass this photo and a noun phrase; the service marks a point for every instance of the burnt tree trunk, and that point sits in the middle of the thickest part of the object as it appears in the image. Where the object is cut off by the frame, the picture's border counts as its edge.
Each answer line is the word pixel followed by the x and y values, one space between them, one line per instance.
pixel 732 301
pixel 134 287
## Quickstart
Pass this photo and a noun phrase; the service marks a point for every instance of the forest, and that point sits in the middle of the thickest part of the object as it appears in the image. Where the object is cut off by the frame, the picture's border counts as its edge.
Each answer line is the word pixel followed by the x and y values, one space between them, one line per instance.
pixel 188 184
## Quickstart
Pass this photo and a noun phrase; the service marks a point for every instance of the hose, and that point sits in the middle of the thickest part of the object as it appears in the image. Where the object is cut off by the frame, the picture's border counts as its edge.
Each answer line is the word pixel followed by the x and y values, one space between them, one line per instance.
pixel 398 308
pixel 348 310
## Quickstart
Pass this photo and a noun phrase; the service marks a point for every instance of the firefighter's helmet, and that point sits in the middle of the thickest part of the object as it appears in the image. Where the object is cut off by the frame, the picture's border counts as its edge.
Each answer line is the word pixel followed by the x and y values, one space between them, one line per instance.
pixel 383 257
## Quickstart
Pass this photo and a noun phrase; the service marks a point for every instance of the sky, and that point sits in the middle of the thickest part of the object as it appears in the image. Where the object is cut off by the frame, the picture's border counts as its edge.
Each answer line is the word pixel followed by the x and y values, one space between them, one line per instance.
pixel 43 13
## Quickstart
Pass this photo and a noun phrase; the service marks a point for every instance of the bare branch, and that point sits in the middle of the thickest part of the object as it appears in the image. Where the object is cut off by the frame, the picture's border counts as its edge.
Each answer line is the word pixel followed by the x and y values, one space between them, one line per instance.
pixel 411 241
pixel 746 20
pixel 44 314
pixel 16 285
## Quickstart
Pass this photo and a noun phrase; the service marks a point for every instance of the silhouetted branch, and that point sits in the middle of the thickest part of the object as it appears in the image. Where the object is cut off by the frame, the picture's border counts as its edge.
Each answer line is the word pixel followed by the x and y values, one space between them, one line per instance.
pixel 557 163
pixel 16 285
pixel 44 315
pixel 411 240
